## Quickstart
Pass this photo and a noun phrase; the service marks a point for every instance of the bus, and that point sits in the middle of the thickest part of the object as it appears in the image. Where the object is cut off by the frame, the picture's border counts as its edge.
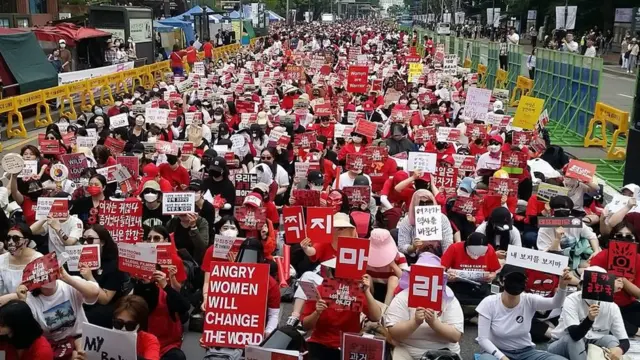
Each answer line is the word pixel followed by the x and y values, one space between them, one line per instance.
pixel 405 20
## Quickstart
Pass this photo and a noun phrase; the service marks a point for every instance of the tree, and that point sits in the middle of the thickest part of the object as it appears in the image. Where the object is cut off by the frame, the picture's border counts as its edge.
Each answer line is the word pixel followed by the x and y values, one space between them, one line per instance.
pixel 395 10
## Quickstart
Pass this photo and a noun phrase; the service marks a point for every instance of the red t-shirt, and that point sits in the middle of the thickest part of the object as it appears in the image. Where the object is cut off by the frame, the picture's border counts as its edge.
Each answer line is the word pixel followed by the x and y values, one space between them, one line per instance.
pixel 29 210
pixel 192 54
pixel 176 58
pixel 40 349
pixel 332 324
pixel 272 212
pixel 177 177
pixel 534 208
pixel 394 197
pixel 456 257
pixel 388 170
pixel 621 298
pixel 148 346
pixel 324 252
pixel 208 49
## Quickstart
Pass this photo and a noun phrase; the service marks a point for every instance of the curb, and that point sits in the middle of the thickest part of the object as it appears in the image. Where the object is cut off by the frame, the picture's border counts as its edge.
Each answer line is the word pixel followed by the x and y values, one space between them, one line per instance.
pixel 618 73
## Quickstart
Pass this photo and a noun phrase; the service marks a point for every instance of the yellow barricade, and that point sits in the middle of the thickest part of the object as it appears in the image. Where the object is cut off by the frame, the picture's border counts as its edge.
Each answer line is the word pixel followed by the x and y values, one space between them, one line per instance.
pixel 482 76
pixel 467 63
pixel 501 79
pixel 524 86
pixel 604 114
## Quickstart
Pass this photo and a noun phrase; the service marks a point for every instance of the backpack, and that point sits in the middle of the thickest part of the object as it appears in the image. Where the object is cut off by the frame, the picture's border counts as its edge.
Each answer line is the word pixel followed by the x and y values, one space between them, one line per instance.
pixel 555 156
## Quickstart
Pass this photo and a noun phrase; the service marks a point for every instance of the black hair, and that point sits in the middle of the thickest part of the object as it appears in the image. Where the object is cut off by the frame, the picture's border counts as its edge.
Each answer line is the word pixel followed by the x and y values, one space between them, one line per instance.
pixel 490 231
pixel 17 316
pixel 109 250
pixel 23 228
pixel 225 219
pixel 561 202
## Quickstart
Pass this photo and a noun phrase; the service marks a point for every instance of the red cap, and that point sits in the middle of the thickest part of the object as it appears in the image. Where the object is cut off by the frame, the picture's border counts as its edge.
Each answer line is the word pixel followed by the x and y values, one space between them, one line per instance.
pixel 150 170
pixel 368 106
pixel 497 138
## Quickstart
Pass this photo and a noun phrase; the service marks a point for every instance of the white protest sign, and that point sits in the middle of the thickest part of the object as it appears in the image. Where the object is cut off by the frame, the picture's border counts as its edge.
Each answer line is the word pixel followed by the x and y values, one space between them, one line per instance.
pixel 342 131
pixel 121 174
pixel 302 168
pixel 157 116
pixel 30 168
pixel 422 161
pixel 477 103
pixel 12 163
pixel 221 246
pixel 450 65
pixel 428 222
pixel 74 252
pixel 258 353
pixel 118 121
pixel 92 133
pixel 537 260
pixel 43 207
pixel 237 141
pixel 178 203
pixel 198 68
pixel 86 141
pixel 102 343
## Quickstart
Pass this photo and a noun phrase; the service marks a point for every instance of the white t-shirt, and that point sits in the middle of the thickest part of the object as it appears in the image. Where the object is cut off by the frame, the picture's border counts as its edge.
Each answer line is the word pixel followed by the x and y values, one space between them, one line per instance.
pixel 485 161
pixel 346 180
pixel 60 315
pixel 11 275
pixel 72 228
pixel 424 338
pixel 574 310
pixel 281 178
pixel 571 235
pixel 513 39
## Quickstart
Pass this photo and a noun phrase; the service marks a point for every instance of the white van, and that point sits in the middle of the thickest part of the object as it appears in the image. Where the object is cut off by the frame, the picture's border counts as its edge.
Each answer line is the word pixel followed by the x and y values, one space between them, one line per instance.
pixel 443 29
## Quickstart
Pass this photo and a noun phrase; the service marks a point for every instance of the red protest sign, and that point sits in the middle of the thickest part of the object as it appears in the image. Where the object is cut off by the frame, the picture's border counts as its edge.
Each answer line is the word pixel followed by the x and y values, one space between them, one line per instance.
pixel 90 257
pixel 622 258
pixel 357 162
pixel 342 294
pixel 358 195
pixel 187 148
pixel 320 224
pixel 358 79
pixel 244 183
pixel 366 128
pixel 306 197
pixel 434 120
pixel 521 138
pixel 168 148
pixel 580 170
pixel 123 219
pixel 498 186
pixel 445 177
pixel 325 70
pixel 448 134
pixel 357 347
pixel 476 131
pixel 305 140
pixel 164 258
pixel 353 256
pixel 49 147
pixel 131 163
pixel 423 135
pixel 116 146
pixel 294 72
pixel 236 291
pixel 426 286
pixel 243 106
pixel 294 231
pixel 251 218
pixel 323 110
pixel 514 162
pixel 41 271
pixel 466 205
pixel 76 163
pixel 139 261
pixel 59 209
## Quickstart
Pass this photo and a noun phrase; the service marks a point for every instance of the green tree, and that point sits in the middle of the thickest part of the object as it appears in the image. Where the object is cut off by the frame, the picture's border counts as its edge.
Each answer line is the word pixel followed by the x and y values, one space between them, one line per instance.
pixel 395 10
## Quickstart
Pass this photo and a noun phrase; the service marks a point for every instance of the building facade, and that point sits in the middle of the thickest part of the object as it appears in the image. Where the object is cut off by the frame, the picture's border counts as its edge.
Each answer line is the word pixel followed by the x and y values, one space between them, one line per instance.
pixel 27 13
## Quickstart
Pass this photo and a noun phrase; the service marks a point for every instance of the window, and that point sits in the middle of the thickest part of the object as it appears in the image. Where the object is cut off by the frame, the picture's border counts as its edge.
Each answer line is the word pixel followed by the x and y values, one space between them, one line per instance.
pixel 4 23
pixel 22 23
pixel 38 6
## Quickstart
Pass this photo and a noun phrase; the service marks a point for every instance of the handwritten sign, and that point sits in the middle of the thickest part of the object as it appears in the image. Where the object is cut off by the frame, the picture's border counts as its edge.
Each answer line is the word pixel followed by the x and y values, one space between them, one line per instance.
pixel 178 203
pixel 527 113
pixel 477 103
pixel 598 286
pixel 12 163
pixel 428 222
pixel 102 343
pixel 422 161
pixel 543 261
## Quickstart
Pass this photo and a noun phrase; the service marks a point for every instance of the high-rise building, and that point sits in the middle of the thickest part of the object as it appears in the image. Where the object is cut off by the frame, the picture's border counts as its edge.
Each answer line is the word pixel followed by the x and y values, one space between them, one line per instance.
pixel 27 13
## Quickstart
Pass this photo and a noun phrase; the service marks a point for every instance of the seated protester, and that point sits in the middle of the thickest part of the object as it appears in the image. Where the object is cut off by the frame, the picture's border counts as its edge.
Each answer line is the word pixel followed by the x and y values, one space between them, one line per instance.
pixel 66 295
pixel 17 256
pixel 203 207
pixel 61 232
pixel 535 208
pixel 138 132
pixel 382 170
pixel 263 190
pixel 280 175
pixel 176 272
pixel 132 314
pixel 22 335
pixel 151 172
pixel 357 145
pixel 408 242
pixel 543 323
pixel 392 201
pixel 103 157
pixel 190 162
pixel 504 319
pixel 190 232
pixel 580 244
pixel 617 209
pixel 500 232
pixel 109 278
pixel 491 160
pixel 385 265
pixel 416 331
pixel 97 191
pixel 577 189
pixel 398 142
pixel 585 322
pixel 348 178
pixel 627 298
pixel 152 205
pixel 473 259
pixel 218 182
pixel 175 173
pixel 122 134
pixel 328 323
pixel 466 223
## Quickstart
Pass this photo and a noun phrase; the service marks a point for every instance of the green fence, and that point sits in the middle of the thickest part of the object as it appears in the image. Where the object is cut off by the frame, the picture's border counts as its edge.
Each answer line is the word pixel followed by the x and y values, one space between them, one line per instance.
pixel 493 64
pixel 515 59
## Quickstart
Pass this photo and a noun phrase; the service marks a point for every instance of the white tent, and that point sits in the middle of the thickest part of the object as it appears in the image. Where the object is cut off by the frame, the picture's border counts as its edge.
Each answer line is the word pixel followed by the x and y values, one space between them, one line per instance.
pixel 274 17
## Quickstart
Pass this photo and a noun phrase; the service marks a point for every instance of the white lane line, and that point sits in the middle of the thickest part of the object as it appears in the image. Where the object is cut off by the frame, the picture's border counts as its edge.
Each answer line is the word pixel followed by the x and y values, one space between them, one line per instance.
pixel 622 77
pixel 627 96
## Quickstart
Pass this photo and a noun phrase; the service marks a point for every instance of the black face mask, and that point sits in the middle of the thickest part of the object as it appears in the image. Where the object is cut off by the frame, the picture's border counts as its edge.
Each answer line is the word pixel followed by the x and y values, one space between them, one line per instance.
pixel 215 174
pixel 172 161
pixel 206 161
pixel 561 213
pixel 514 287
pixel 425 203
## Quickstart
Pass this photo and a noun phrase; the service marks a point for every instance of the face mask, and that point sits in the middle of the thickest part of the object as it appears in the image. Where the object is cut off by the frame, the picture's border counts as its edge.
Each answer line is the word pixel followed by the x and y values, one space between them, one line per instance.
pixel 468 120
pixel 229 232
pixel 150 197
pixel 217 117
pixel 155 89
pixel 414 106
pixel 514 287
pixel 403 102
pixel 561 213
pixel 98 111
pixel 570 182
pixel 215 174
pixel 136 95
pixel 274 111
pixel 172 161
pixel 494 148
pixel 99 122
pixel 476 251
pixel 462 193
pixel 357 139
pixel 118 103
pixel 316 187
pixel 62 46
pixel 224 136
pixel 501 228
pixel 94 190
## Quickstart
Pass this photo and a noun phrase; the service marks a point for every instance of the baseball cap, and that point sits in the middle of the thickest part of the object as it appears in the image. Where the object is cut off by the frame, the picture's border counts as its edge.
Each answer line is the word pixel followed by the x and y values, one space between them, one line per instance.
pixel 195 185
pixel 218 164
pixel 151 184
pixel 253 199
pixel 150 170
pixel 262 187
pixel 137 148
pixel 512 270
pixel 315 177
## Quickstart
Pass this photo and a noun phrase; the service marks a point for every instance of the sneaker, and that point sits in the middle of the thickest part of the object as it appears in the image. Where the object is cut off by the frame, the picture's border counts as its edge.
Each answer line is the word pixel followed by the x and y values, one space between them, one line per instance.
pixel 293 321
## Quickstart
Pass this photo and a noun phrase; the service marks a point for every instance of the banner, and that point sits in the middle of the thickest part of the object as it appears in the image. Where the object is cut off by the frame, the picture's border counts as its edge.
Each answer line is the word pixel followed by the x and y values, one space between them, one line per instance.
pixel 570 22
pixel 426 286
pixel 102 343
pixel 236 305
pixel 353 256
pixel 123 219
pixel 80 75
pixel 139 261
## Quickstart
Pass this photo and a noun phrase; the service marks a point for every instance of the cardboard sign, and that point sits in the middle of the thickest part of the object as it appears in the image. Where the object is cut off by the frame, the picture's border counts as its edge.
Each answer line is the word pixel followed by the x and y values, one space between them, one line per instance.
pixel 123 219
pixel 448 134
pixel 157 116
pixel 244 183
pixel 41 271
pixel 466 205
pixel 553 222
pixel 320 224
pixel 342 294
pixel 426 287
pixel 428 222
pixel 83 256
pixel 514 162
pixel 527 113
pixel 358 195
pixel 102 343
pixel 598 286
pixel 358 79
pixel 178 203
pixel 116 146
pixel 305 140
pixel 49 147
pixel 366 128
pixel 423 135
pixel 131 163
pixel 446 177
pixel 118 121
pixel 138 261
pixel 12 163
pixel 543 261
pixel 294 229
pixel 464 162
pixel 225 245
pixel 547 191
pixel 622 258
pixel 236 307
pixel 357 162
pixel 358 347
pixel 477 103
pixel 422 161
pixel 476 131
pixel 76 163
pixel 353 257
pixel 521 138
pixel 306 197
pixel 500 186
pixel 580 170
pixel 251 218
pixel 258 353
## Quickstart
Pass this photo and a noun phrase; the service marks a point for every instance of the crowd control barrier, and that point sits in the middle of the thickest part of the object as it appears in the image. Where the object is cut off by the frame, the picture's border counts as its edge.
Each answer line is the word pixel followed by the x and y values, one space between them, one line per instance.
pixel 603 115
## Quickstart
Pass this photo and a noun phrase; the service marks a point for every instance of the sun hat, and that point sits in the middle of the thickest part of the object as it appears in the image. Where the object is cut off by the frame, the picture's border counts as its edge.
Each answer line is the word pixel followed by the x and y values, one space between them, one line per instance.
pixel 382 248
pixel 341 220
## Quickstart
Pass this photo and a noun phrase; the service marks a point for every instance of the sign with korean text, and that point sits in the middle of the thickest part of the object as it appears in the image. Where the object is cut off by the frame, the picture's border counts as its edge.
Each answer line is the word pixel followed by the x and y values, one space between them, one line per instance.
pixel 223 246
pixel 306 197
pixel 450 65
pixel 342 294
pixel 357 162
pixel 353 257
pixel 123 219
pixel 366 128
pixel 358 347
pixel 157 116
pixel 131 163
pixel 426 287
pixel 49 147
pixel 75 253
pixel 477 104
pixel 115 145
pixel 56 208
pixel 236 305
pixel 448 134
pixel 250 218
pixel 358 79
pixel 622 257
pixel 598 286
pixel 445 177
pixel 514 162
pixel 102 343
pixel 294 226
pixel 320 224
pixel 423 135
pixel 466 205
pixel 554 222
pixel 422 161
pixel 528 112
pixel 41 271
pixel 244 183
pixel 464 162
pixel 358 195
pixel 502 187
pixel 580 170
pixel 428 222
pixel 178 203
pixel 305 140
pixel 547 191
pixel 118 121
pixel 258 353
pixel 543 261
pixel 138 261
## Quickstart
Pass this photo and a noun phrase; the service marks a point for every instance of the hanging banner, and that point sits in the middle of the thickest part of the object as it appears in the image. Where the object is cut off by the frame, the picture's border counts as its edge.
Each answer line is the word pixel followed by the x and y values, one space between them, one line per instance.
pixel 570 22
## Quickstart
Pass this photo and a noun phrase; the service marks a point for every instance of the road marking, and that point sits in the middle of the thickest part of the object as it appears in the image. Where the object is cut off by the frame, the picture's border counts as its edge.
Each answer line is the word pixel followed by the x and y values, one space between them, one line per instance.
pixel 627 96
pixel 20 143
pixel 621 77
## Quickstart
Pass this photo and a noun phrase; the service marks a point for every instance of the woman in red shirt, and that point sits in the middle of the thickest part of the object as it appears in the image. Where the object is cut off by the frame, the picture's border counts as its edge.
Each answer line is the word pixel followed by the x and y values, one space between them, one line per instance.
pixel 23 333
pixel 176 60
pixel 132 314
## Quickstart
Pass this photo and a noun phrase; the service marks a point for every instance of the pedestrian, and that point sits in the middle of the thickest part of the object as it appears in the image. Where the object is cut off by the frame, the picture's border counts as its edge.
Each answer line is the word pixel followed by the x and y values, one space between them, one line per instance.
pixel 65 56
pixel 176 60
pixel 634 48
pixel 504 53
pixel 531 64
pixel 591 49
pixel 624 52
pixel 54 59
pixel 534 36
pixel 192 54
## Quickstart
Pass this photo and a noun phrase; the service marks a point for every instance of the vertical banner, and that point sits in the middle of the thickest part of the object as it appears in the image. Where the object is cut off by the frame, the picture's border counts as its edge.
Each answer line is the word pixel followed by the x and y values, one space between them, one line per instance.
pixel 570 22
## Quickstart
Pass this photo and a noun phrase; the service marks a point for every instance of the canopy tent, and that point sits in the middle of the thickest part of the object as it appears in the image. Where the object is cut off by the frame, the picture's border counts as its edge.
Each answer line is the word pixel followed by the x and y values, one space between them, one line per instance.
pixel 159 27
pixel 274 17
pixel 27 62
pixel 234 15
pixel 187 27
pixel 215 19
pixel 70 33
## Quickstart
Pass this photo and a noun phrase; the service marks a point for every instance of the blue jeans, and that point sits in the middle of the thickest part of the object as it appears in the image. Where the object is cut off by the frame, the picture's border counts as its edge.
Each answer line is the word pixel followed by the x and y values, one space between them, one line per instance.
pixel 530 239
pixel 178 71
pixel 577 350
pixel 528 353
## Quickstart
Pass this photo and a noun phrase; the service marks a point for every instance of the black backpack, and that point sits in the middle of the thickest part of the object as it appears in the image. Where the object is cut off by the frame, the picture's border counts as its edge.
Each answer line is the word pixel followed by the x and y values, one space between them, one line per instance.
pixel 556 157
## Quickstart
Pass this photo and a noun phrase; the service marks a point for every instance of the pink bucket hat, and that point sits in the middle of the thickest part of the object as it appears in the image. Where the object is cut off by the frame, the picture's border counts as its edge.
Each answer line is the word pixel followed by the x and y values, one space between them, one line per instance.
pixel 382 248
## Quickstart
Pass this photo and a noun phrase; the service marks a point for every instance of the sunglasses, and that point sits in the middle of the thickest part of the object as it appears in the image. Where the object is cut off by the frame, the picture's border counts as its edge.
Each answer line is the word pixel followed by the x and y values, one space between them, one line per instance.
pixel 621 236
pixel 88 239
pixel 266 158
pixel 118 324
pixel 155 238
pixel 494 143
pixel 15 238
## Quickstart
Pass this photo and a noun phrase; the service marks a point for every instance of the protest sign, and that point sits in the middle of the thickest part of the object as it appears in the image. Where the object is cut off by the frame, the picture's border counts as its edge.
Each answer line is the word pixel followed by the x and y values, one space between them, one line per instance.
pixel 366 128
pixel 244 183
pixel 358 79
pixel 236 305
pixel 12 163
pixel 118 121
pixel 116 146
pixel 450 65
pixel 426 286
pixel 502 186
pixel 306 197
pixel 521 138
pixel 167 148
pixel 502 95
pixel 476 131
pixel 108 344
pixel 422 161
pixel 310 289
pixel 353 256
pixel 423 135
pixel 251 218
pixel 466 205
pixel 554 221
pixel 359 347
pixel 123 219
pixel 301 170
pixel 428 221
pixel 59 173
pixel 598 286
pixel 294 229
pixel 305 140
pixel 190 117
pixel 547 191
pixel 342 131
pixel 49 147
pixel 56 208
pixel 622 258
pixel 109 173
pixel 76 163
pixel 543 261
pixel 580 170
pixel 528 112
pixel 357 162
pixel 464 162
pixel 131 163
pixel 139 261
pixel 473 275
pixel 445 177
pixel 434 120
pixel 178 203
pixel 30 168
pixel 514 162
pixel 353 117
pixel 342 294
pixel 260 353
pixel 448 134
pixel 41 271
pixel 377 153
pixel 91 253
pixel 358 195
pixel 320 224
pixel 157 116
pixel 323 110
pixel 477 103
pixel 86 142
pixel 225 245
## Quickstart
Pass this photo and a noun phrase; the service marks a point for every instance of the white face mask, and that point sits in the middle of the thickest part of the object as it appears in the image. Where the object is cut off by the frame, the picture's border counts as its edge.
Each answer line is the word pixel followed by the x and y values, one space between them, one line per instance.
pixel 152 139
pixel 403 102
pixel 274 111
pixel 357 139
pixel 217 117
pixel 468 120
pixel 150 197
pixel 155 89
pixel 62 46
pixel 118 103
pixel 476 251
pixel 462 193
pixel 494 148
pixel 414 106
pixel 136 95
pixel 229 232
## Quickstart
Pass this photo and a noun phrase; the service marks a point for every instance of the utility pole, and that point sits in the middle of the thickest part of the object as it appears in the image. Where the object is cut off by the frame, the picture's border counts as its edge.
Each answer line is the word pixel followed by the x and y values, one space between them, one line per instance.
pixel 566 13
pixel 493 19
pixel 288 23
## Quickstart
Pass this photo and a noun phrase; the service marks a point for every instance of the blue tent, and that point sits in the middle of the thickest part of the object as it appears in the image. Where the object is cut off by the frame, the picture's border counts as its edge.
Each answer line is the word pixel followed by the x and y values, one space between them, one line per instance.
pixel 187 27
pixel 234 15
pixel 162 27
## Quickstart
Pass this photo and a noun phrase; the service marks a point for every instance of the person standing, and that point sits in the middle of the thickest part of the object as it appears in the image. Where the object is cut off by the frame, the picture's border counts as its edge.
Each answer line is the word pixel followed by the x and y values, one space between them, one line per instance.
pixel 192 55
pixel 591 50
pixel 65 56
pixel 634 49
pixel 176 60
pixel 111 54
pixel 208 50
pixel 504 53
pixel 513 38
pixel 534 36
pixel 531 64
